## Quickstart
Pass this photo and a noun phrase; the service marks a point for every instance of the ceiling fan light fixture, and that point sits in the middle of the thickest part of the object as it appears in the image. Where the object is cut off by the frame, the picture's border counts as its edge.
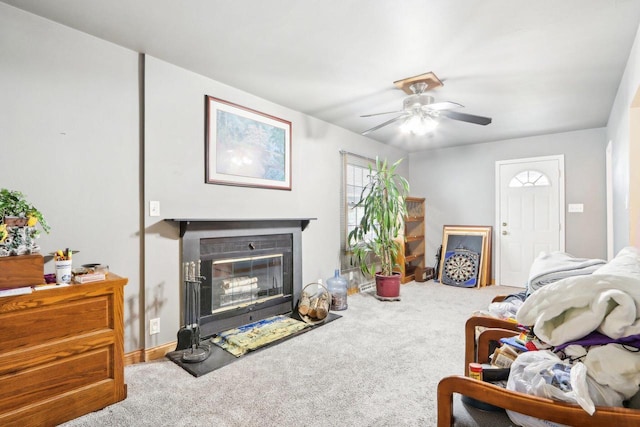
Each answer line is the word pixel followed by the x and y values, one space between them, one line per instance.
pixel 416 101
pixel 419 109
pixel 418 125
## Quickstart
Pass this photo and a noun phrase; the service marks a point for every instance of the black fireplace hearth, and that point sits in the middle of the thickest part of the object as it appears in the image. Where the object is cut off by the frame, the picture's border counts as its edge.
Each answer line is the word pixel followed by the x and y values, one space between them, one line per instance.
pixel 249 270
pixel 219 358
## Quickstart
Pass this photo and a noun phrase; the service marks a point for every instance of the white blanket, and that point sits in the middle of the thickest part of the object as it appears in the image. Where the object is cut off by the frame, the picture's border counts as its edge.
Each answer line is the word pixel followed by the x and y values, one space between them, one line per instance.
pixel 573 307
pixel 550 267
pixel 626 263
pixel 614 366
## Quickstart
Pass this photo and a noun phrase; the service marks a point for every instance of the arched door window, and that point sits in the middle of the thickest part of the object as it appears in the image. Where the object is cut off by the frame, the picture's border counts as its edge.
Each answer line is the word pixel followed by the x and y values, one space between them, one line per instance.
pixel 529 178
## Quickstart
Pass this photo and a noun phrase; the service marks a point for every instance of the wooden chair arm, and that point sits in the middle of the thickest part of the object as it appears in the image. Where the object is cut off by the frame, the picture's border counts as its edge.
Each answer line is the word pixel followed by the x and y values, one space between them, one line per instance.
pixel 538 407
pixel 470 343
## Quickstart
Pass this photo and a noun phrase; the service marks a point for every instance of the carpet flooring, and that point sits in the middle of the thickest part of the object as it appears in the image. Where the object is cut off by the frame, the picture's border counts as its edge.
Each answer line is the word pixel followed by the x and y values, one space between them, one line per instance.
pixel 379 365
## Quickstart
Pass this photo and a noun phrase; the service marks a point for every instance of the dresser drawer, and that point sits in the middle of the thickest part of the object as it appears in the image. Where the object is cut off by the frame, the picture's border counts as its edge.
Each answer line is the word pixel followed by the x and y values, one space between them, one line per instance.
pixel 55 322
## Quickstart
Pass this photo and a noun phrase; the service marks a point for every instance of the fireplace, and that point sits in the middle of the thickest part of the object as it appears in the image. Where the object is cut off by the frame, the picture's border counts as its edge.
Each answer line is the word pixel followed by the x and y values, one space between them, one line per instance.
pixel 252 269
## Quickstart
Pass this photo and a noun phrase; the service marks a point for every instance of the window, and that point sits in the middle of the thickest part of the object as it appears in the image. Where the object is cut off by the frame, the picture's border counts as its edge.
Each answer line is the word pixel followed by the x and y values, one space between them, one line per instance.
pixel 356 178
pixel 529 178
pixel 355 174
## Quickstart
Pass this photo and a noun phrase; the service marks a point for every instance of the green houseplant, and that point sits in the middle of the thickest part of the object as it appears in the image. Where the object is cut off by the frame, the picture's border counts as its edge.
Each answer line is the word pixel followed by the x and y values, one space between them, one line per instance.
pixel 15 204
pixel 375 239
pixel 18 220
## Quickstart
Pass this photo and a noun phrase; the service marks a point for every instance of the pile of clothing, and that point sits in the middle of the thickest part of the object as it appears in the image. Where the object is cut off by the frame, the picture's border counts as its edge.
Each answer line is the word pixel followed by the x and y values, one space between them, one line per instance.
pixel 547 268
pixel 591 324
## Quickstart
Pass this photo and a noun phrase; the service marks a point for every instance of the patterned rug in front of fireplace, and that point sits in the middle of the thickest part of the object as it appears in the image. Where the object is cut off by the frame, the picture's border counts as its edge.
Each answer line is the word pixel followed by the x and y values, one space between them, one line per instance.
pixel 253 336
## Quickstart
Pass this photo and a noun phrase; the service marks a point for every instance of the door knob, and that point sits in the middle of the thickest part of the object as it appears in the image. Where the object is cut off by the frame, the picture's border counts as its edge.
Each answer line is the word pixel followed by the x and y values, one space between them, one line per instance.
pixel 504 232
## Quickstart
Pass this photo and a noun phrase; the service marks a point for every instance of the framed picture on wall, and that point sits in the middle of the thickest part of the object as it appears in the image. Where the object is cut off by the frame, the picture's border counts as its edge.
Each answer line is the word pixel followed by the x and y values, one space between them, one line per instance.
pixel 466 255
pixel 246 147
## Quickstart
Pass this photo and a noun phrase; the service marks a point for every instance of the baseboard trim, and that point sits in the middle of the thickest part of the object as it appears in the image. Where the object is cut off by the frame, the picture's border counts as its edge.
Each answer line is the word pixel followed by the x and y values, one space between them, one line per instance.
pixel 133 357
pixel 149 354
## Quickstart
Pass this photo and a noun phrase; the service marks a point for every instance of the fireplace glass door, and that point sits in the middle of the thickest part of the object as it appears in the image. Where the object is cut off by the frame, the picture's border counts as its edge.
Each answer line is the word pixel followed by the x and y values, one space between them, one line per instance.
pixel 247 280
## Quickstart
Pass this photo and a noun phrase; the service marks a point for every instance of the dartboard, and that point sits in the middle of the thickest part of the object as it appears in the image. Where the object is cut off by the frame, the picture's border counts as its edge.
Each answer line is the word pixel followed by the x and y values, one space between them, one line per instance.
pixel 460 268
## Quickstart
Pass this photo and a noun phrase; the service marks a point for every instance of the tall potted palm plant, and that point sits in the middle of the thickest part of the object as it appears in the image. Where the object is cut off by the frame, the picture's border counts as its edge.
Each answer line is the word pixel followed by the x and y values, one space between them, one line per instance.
pixel 374 241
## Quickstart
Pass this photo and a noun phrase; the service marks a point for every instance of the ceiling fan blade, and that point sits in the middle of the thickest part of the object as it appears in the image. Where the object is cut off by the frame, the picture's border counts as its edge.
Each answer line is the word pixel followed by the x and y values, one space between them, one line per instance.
pixel 388 122
pixel 445 105
pixel 470 118
pixel 379 114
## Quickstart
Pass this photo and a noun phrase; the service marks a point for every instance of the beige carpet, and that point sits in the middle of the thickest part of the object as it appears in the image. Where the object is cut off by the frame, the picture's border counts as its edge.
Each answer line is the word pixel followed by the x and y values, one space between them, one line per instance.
pixel 378 365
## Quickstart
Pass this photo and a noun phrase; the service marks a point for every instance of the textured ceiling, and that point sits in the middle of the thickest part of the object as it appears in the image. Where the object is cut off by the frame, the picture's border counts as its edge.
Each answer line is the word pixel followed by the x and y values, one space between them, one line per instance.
pixel 534 67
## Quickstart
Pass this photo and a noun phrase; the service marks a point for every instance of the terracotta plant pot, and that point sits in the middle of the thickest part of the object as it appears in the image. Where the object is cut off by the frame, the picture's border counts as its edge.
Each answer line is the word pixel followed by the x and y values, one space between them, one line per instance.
pixel 15 221
pixel 388 286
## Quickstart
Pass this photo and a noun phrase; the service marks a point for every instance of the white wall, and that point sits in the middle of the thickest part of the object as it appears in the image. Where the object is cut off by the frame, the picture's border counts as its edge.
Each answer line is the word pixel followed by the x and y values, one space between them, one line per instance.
pixel 69 136
pixel 459 185
pixel 618 132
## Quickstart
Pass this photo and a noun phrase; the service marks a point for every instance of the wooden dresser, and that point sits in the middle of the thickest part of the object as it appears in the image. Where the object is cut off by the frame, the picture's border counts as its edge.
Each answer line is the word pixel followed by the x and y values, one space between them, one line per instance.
pixel 61 352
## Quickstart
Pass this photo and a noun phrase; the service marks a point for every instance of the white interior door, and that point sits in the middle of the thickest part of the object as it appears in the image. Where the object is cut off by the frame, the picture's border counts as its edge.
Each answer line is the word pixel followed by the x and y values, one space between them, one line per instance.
pixel 530 214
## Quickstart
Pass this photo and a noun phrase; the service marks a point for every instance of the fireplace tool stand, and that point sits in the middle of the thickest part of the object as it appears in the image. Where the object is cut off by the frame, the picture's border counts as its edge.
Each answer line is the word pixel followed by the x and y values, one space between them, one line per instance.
pixel 192 281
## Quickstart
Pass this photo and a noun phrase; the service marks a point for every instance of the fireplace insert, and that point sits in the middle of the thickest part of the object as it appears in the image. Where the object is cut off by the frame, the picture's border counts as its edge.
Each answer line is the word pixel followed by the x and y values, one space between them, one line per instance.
pixel 251 269
pixel 246 278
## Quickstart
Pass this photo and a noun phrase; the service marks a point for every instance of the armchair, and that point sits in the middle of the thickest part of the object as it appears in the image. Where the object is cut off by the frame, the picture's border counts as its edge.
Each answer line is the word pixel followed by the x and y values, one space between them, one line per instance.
pixel 477 349
pixel 538 407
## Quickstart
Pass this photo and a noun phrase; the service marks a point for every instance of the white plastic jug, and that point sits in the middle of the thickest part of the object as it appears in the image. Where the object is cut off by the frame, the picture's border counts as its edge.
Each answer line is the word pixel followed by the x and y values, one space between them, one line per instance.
pixel 337 287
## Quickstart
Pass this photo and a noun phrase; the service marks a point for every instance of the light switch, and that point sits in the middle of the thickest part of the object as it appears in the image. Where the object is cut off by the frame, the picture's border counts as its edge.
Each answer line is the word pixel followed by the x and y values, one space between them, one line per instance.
pixel 576 207
pixel 154 208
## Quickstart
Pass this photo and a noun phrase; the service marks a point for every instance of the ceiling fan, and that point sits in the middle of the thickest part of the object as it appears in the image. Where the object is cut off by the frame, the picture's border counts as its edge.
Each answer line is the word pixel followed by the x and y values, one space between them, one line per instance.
pixel 418 109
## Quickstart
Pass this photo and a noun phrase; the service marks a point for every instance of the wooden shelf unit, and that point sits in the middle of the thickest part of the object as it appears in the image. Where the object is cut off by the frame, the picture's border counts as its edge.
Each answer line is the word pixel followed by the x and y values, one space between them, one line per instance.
pixel 412 253
pixel 61 352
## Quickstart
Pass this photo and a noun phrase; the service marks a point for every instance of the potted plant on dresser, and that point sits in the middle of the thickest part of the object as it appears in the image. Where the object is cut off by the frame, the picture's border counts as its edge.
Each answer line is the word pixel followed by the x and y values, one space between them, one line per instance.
pixel 18 220
pixel 375 240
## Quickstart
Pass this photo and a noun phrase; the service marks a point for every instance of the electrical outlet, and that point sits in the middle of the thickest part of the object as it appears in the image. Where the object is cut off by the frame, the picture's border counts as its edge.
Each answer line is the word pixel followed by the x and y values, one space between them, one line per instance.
pixel 154 326
pixel 154 208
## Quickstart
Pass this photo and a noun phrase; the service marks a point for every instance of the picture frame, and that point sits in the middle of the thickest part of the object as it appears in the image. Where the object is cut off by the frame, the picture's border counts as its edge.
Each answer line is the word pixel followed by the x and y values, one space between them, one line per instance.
pixel 476 238
pixel 245 147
